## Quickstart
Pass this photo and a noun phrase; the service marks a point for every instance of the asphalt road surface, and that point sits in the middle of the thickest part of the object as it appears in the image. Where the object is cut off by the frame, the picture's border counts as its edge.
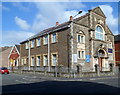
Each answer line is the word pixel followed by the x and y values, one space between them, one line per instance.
pixel 35 84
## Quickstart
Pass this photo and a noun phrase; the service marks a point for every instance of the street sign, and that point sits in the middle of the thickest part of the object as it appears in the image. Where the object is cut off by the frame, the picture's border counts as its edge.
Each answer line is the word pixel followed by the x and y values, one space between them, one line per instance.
pixel 87 58
pixel 74 58
pixel 110 50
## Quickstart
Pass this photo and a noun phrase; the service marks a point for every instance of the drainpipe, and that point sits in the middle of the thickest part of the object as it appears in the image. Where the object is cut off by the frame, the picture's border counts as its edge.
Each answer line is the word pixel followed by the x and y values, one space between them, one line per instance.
pixel 48 53
pixel 29 54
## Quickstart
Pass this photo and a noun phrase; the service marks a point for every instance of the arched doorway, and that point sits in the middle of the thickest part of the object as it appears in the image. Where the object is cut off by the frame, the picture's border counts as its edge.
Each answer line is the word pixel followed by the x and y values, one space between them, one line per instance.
pixel 101 57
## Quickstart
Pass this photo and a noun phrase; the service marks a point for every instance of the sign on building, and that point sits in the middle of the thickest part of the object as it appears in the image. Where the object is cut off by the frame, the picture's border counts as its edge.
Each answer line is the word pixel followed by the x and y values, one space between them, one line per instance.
pixel 74 58
pixel 110 50
pixel 87 58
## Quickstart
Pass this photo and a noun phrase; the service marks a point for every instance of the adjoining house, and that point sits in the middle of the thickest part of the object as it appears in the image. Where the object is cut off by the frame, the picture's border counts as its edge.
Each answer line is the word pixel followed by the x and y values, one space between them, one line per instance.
pixel 117 49
pixel 14 57
pixel 4 56
pixel 84 41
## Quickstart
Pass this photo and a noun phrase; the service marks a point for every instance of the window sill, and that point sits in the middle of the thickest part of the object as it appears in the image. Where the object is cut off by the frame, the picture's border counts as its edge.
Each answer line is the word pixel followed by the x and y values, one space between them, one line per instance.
pixel 53 42
pixel 80 43
pixel 38 46
pixel 45 44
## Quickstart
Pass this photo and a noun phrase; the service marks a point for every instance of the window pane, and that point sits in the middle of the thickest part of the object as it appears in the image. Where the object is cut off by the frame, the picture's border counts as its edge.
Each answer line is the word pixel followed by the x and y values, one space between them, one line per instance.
pixel 82 54
pixel 54 59
pixel 45 60
pixel 78 54
pixel 38 42
pixel 79 38
pixel 99 33
pixel 54 37
pixel 46 40
pixel 32 61
pixel 38 60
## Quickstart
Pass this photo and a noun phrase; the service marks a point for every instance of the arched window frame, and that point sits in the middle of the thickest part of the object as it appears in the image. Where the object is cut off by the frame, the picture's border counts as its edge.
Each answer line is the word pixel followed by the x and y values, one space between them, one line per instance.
pixel 99 33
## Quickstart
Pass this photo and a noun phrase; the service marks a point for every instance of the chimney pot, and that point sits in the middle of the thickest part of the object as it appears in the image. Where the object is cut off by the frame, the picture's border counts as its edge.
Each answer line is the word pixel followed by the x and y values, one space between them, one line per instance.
pixel 71 18
pixel 57 23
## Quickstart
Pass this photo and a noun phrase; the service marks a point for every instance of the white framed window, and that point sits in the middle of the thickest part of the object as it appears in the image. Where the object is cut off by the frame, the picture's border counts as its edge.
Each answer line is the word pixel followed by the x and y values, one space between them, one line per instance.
pixel 32 43
pixel 23 61
pixel 54 59
pixel 32 61
pixel 54 38
pixel 45 40
pixel 26 45
pixel 80 38
pixel 38 41
pixel 45 60
pixel 81 54
pixel 99 33
pixel 38 60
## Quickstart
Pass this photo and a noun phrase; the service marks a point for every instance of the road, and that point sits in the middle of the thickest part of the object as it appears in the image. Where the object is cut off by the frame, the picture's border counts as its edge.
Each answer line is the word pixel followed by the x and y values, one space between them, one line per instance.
pixel 28 83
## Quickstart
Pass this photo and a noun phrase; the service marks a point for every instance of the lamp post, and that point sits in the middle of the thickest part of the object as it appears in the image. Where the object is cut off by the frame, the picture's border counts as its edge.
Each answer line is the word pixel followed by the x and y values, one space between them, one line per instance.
pixel 71 28
pixel 29 54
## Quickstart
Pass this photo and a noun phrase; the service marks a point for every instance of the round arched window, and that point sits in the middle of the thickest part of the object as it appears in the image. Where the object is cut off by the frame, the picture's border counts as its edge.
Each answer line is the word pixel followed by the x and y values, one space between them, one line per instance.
pixel 99 33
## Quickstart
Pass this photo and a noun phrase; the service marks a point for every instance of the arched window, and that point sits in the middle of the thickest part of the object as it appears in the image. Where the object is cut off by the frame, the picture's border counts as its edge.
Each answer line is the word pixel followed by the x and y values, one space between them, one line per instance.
pixel 99 33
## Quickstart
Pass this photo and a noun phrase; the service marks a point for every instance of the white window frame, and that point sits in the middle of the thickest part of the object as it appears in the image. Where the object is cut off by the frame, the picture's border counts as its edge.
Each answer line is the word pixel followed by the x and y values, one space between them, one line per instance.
pixel 24 61
pixel 38 42
pixel 82 38
pixel 26 45
pixel 97 32
pixel 79 53
pixel 32 64
pixel 53 59
pixel 45 40
pixel 45 62
pixel 54 38
pixel 37 60
pixel 32 43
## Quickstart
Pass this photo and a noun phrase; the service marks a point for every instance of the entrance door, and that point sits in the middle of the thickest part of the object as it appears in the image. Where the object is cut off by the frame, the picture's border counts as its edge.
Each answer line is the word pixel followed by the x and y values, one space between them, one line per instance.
pixel 100 63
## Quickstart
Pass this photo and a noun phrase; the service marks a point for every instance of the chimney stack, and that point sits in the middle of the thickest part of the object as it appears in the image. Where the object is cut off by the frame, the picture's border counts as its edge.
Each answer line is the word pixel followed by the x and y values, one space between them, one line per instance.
pixel 71 18
pixel 57 23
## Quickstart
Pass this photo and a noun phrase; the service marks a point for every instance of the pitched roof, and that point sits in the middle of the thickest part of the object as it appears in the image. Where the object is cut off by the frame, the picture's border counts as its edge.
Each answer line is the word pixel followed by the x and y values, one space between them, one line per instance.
pixel 4 57
pixel 117 37
pixel 61 26
pixel 18 47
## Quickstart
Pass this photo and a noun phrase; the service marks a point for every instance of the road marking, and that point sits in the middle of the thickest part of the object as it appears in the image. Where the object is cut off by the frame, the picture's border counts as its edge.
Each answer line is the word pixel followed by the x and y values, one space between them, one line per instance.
pixel 21 81
pixel 101 82
pixel 92 79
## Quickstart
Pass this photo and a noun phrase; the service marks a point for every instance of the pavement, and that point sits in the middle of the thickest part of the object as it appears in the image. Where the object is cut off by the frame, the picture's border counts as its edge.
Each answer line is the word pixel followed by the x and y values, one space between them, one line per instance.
pixel 35 83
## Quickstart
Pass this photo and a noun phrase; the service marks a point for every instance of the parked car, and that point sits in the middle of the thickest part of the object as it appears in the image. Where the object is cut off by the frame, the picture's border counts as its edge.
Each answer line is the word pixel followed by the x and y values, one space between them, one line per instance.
pixel 4 70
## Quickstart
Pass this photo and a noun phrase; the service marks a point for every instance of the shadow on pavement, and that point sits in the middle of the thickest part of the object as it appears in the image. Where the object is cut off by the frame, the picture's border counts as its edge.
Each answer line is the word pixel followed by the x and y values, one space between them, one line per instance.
pixel 60 87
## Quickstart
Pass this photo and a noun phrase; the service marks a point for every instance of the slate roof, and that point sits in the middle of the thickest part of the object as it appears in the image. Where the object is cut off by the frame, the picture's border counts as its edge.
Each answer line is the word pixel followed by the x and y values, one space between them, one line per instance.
pixel 117 37
pixel 18 48
pixel 55 28
pixel 59 27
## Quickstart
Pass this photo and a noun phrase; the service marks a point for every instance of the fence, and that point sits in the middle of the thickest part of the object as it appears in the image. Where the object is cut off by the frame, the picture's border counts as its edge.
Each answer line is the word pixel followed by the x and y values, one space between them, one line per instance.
pixel 60 71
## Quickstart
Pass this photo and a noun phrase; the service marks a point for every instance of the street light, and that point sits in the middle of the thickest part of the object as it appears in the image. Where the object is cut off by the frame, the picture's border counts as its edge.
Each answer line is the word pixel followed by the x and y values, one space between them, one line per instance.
pixel 78 13
pixel 71 27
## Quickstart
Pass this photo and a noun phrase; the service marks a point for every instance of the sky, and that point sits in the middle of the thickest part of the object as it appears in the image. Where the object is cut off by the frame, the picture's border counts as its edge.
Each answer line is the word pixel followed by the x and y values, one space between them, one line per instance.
pixel 21 20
